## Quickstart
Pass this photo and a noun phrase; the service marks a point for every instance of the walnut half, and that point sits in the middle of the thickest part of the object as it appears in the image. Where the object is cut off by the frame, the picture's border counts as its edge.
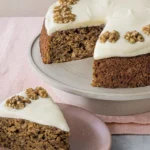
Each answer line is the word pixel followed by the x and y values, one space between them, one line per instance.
pixel 112 37
pixel 31 94
pixel 17 102
pixel 63 14
pixel 41 92
pixel 146 29
pixel 133 37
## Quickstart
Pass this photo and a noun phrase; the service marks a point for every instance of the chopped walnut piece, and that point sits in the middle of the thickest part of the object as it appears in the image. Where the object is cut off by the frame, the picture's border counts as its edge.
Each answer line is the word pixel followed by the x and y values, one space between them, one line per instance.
pixel 31 94
pixel 63 14
pixel 133 37
pixel 26 101
pixel 112 37
pixel 37 89
pixel 73 55
pixel 104 37
pixel 17 102
pixel 69 2
pixel 146 29
pixel 41 92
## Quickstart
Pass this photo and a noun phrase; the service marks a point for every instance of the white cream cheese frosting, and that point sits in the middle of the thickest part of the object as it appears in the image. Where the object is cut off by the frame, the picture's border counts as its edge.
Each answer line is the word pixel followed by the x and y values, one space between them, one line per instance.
pixel 87 14
pixel 120 15
pixel 43 111
pixel 92 13
pixel 130 21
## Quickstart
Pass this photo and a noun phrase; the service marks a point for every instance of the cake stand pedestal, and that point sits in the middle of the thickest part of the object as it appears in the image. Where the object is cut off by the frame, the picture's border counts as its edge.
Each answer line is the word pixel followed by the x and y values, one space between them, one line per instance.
pixel 105 107
pixel 73 79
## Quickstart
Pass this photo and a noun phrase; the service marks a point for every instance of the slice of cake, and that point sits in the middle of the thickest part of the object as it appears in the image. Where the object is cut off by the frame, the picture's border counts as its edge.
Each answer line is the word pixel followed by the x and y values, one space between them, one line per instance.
pixel 74 29
pixel 31 120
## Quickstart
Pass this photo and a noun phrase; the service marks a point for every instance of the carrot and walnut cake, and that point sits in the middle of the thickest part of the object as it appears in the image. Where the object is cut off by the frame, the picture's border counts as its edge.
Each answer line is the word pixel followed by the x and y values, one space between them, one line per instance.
pixel 31 120
pixel 116 33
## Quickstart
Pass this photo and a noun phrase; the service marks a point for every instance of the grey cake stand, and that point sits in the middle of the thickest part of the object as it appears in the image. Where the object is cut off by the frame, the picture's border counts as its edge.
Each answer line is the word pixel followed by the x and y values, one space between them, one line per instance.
pixel 71 82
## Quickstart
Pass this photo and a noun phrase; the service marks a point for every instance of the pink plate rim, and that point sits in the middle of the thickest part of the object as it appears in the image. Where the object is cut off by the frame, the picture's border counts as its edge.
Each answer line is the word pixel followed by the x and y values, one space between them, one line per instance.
pixel 103 125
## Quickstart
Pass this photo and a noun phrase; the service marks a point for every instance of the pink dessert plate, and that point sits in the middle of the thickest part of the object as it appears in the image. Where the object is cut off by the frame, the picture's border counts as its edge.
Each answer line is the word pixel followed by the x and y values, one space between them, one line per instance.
pixel 88 132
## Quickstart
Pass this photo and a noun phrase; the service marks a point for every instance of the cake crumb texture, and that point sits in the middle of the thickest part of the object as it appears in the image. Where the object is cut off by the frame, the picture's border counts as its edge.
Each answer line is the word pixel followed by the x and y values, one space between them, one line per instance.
pixel 127 72
pixel 19 134
pixel 64 46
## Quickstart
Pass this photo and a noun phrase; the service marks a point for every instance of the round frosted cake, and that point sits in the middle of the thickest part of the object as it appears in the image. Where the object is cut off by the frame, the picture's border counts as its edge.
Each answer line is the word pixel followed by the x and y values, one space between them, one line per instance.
pixel 115 32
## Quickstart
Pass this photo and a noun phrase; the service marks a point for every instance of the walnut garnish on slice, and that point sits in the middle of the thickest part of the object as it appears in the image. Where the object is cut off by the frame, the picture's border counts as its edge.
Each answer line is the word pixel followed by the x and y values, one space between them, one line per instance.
pixel 104 37
pixel 35 93
pixel 146 29
pixel 69 2
pixel 133 37
pixel 112 37
pixel 31 94
pixel 63 14
pixel 17 102
pixel 41 92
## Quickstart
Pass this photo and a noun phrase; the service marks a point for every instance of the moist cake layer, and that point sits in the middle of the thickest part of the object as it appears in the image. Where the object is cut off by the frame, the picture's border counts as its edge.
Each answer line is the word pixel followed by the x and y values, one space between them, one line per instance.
pixel 63 46
pixel 20 134
pixel 122 72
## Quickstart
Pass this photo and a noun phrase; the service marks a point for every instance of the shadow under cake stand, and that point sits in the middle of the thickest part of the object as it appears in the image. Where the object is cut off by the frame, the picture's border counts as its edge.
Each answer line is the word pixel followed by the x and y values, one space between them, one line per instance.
pixel 71 82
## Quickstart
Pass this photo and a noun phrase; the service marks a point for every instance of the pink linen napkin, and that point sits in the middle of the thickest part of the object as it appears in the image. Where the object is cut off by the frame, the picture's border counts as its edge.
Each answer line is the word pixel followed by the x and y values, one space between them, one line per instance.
pixel 134 124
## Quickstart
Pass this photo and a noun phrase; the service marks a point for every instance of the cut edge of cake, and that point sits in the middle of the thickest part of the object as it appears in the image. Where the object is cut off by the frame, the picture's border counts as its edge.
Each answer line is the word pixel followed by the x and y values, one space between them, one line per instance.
pixel 68 45
pixel 127 72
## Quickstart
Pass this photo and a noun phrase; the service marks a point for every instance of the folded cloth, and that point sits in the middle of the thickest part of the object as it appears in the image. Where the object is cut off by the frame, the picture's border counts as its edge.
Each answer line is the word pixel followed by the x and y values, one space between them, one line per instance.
pixel 134 124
